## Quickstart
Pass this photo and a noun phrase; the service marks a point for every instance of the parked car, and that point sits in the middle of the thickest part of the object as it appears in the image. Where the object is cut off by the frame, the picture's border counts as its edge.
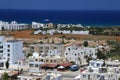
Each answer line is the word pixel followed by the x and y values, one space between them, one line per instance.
pixel 74 67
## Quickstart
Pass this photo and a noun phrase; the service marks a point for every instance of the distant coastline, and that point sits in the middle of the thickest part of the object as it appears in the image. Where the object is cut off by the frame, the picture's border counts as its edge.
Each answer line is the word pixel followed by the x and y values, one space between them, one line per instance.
pixel 89 18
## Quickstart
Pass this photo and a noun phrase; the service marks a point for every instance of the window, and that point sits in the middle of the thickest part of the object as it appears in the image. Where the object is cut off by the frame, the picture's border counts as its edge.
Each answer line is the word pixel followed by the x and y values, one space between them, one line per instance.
pixel 41 47
pixel 41 51
pixel 36 65
pixel 8 59
pixel 31 47
pixel 1 64
pixel 69 58
pixel 98 76
pixel 84 76
pixel 41 60
pixel 98 64
pixel 1 51
pixel 8 46
pixel 46 60
pixel 1 46
pixel 51 60
pixel 31 65
pixel 66 53
pixel 8 54
pixel 75 54
pixel 88 76
pixel 55 47
pixel 47 47
pixel 36 60
pixel 8 50
pixel 69 49
pixel 81 52
pixel 111 75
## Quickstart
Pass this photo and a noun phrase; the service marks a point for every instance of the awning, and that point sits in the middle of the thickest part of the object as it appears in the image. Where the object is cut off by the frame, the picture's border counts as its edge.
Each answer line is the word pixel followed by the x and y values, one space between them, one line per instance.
pixel 67 64
pixel 52 65
pixel 61 67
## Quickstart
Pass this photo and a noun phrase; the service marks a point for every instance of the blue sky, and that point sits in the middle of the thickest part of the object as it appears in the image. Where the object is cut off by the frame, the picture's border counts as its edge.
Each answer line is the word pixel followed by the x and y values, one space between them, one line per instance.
pixel 61 4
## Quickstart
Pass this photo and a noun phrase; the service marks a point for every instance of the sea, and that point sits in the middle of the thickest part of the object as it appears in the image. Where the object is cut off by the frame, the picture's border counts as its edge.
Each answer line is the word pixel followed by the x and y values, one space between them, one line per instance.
pixel 84 17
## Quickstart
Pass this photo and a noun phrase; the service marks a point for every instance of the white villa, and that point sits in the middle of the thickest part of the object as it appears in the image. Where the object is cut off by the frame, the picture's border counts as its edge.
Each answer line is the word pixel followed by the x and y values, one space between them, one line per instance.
pixel 36 25
pixel 79 54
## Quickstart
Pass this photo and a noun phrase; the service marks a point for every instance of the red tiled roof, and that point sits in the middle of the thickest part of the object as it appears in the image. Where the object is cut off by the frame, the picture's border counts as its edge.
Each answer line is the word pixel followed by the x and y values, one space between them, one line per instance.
pixel 49 65
pixel 52 65
pixel 67 64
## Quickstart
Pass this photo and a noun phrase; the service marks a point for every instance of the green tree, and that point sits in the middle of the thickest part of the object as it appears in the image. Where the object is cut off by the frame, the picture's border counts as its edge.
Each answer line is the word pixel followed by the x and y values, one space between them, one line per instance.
pixel 7 64
pixel 5 76
pixel 85 43
pixel 29 54
pixel 101 55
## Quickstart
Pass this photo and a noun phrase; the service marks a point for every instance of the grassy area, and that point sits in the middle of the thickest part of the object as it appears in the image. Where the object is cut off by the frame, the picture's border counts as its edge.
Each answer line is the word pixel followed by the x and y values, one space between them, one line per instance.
pixel 115 50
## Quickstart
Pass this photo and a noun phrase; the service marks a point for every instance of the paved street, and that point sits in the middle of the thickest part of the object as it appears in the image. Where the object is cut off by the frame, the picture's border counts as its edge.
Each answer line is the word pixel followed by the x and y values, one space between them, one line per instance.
pixel 66 75
pixel 69 75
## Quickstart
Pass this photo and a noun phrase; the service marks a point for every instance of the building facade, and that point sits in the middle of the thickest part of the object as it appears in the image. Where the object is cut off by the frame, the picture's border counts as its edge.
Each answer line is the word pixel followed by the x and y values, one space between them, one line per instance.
pixel 99 70
pixel 12 26
pixel 79 55
pixel 10 50
pixel 44 48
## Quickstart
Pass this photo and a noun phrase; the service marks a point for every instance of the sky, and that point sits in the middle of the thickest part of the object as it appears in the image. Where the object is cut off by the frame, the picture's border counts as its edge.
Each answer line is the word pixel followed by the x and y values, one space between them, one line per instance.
pixel 61 4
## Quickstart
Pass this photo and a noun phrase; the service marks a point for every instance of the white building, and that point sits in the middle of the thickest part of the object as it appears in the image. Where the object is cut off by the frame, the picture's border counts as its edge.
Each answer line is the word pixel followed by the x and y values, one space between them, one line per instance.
pixel 97 71
pixel 12 26
pixel 36 25
pixel 10 50
pixel 69 25
pixel 79 54
pixel 52 31
pixel 53 52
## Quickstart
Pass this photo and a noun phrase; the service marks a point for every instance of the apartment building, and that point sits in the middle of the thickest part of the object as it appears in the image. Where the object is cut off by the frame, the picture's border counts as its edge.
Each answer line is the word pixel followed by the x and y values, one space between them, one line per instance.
pixel 44 48
pixel 10 50
pixel 12 26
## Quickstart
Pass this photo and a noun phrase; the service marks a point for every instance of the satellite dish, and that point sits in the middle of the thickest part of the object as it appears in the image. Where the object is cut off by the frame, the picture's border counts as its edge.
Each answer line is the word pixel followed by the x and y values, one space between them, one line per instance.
pixel 35 54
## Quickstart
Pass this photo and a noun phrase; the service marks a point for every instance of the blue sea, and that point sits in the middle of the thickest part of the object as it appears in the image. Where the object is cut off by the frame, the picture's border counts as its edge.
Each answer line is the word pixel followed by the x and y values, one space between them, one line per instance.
pixel 106 18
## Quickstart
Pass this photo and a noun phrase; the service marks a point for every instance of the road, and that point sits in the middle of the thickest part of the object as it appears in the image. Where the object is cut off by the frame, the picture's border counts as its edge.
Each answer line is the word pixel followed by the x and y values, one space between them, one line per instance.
pixel 69 75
